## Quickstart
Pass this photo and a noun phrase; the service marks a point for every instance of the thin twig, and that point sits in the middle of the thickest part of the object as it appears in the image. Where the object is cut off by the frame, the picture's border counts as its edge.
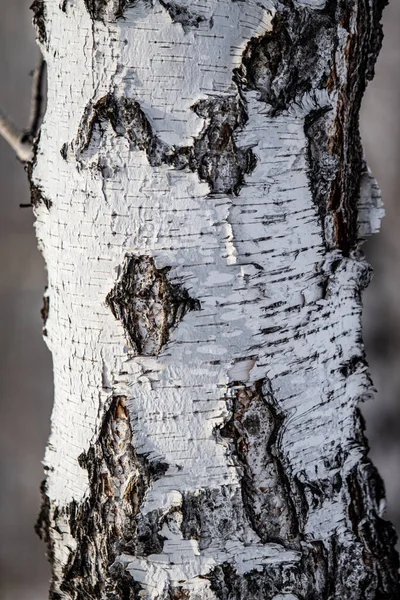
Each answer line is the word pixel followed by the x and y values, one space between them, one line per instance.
pixel 22 141
pixel 12 135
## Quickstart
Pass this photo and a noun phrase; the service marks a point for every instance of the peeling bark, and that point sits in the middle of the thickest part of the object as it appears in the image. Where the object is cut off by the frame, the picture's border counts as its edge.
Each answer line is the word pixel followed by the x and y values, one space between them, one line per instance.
pixel 201 200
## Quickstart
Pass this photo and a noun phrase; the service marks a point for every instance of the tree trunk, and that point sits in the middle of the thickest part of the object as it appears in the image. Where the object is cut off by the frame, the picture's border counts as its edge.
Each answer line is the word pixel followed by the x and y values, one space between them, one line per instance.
pixel 201 198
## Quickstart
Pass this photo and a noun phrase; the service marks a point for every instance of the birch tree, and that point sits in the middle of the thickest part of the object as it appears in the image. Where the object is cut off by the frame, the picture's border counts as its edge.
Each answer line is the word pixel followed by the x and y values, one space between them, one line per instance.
pixel 201 199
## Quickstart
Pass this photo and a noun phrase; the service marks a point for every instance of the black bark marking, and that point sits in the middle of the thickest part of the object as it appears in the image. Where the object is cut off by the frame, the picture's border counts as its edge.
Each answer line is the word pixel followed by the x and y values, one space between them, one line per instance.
pixel 36 192
pixel 105 524
pixel 148 304
pixel 44 311
pixel 149 539
pixel 180 14
pixel 38 197
pixel 178 593
pixel 43 526
pixel 39 20
pixel 254 429
pixel 214 155
pixel 98 9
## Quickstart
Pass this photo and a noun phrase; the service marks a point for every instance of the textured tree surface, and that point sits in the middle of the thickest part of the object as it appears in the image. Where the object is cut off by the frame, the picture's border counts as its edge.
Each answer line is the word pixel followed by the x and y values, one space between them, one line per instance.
pixel 201 198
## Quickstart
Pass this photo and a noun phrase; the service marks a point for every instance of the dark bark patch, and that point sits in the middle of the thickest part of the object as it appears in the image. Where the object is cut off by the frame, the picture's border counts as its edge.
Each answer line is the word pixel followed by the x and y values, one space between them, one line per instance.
pixel 182 15
pixel 297 579
pixel 104 524
pixel 285 63
pixel 149 539
pixel 298 57
pixel 365 495
pixel 327 570
pixel 178 593
pixel 269 492
pixel 38 197
pixel 39 20
pixel 334 142
pixel 213 514
pixel 114 9
pixel 148 304
pixel 214 155
pixel 43 523
pixel 44 311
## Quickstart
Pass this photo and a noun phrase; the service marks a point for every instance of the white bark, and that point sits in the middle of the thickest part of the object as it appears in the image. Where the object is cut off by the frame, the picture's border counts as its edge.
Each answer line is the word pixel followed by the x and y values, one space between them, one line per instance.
pixel 226 432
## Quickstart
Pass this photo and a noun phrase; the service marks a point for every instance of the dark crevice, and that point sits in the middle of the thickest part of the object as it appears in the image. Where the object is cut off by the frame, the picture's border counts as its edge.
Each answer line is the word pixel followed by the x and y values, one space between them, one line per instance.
pixel 149 305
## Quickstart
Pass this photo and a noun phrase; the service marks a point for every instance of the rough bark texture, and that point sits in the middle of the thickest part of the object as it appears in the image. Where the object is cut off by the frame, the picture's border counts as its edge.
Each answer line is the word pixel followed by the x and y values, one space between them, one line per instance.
pixel 201 198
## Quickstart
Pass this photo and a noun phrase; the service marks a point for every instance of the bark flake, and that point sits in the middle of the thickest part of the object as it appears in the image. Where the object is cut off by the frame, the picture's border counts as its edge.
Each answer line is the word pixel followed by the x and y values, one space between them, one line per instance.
pixel 148 304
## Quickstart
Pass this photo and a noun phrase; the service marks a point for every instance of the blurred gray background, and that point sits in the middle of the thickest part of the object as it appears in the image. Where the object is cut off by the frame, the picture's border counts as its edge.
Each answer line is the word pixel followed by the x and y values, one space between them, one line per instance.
pixel 25 365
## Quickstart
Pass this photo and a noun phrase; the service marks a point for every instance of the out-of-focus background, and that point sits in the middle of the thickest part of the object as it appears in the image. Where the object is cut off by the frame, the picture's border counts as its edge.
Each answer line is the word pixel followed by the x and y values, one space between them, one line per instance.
pixel 25 364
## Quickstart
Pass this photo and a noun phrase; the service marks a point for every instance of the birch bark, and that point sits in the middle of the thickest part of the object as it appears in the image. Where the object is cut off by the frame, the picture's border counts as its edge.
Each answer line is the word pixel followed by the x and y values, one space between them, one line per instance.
pixel 201 198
